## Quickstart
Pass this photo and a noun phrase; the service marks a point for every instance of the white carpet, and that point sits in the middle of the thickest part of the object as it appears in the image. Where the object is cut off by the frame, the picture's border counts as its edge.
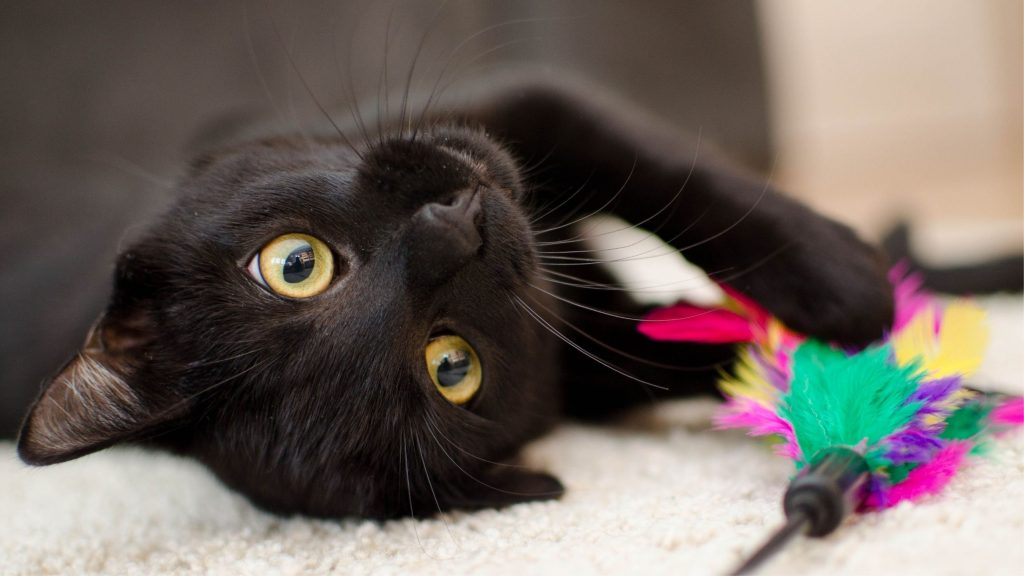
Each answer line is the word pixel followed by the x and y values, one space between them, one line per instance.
pixel 659 493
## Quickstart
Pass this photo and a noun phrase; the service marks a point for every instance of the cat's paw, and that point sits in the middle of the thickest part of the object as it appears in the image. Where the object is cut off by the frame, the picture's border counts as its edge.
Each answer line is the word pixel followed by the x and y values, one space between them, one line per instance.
pixel 828 284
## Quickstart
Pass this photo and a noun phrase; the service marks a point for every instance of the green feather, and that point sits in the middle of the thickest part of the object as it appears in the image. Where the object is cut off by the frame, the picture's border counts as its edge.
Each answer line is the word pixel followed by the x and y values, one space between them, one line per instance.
pixel 967 421
pixel 837 399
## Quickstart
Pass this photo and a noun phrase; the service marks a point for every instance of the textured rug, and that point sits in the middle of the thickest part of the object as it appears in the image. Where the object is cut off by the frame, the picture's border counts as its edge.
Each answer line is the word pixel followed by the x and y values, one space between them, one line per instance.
pixel 656 493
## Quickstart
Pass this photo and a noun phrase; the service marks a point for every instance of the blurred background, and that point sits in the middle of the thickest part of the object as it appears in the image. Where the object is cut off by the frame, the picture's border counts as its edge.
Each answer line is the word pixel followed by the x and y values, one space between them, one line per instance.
pixel 868 110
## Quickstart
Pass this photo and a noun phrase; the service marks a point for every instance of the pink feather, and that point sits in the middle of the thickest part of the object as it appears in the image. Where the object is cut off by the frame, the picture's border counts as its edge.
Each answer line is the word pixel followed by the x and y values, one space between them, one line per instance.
pixel 1009 413
pixel 759 421
pixel 927 479
pixel 696 324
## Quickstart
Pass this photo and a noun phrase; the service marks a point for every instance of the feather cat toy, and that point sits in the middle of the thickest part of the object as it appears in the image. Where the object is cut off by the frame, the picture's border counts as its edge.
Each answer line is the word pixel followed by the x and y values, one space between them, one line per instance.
pixel 866 429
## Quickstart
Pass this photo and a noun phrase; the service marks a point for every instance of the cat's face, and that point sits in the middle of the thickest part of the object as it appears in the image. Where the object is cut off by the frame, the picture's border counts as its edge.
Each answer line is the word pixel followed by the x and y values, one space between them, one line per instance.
pixel 331 331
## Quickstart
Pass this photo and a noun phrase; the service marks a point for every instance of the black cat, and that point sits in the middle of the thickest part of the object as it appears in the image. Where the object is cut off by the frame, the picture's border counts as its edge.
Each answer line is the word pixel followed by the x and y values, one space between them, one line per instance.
pixel 364 326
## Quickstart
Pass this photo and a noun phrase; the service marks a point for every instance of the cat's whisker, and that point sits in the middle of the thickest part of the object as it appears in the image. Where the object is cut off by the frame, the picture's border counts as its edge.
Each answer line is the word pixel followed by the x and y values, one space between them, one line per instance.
pixel 474 478
pixel 714 276
pixel 683 249
pixel 615 314
pixel 623 353
pixel 158 416
pixel 585 237
pixel 408 487
pixel 437 429
pixel 651 288
pixel 614 197
pixel 645 255
pixel 567 199
pixel 757 264
pixel 672 203
pixel 544 323
pixel 430 484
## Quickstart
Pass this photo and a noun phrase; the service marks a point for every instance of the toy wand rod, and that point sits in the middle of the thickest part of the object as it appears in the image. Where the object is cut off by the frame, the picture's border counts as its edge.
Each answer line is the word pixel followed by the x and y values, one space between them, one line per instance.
pixel 817 500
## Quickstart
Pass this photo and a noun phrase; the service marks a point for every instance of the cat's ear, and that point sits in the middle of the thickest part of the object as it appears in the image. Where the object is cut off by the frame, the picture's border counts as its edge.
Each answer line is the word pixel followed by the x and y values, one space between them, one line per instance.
pixel 505 485
pixel 96 400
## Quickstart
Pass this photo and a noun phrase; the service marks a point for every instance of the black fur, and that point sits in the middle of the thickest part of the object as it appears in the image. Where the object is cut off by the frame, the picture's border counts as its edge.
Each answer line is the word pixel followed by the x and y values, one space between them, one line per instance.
pixel 1000 274
pixel 324 406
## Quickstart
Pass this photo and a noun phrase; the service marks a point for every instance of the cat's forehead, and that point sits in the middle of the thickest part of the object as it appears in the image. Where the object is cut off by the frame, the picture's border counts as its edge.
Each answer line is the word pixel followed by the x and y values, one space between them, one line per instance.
pixel 445 153
pixel 304 182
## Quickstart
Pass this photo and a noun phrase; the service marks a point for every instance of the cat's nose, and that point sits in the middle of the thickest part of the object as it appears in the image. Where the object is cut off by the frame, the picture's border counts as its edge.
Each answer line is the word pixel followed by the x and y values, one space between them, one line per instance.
pixel 443 237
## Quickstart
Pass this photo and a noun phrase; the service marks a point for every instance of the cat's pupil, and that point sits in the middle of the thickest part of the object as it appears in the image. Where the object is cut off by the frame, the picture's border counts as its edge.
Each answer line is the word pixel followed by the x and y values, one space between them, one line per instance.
pixel 454 367
pixel 299 264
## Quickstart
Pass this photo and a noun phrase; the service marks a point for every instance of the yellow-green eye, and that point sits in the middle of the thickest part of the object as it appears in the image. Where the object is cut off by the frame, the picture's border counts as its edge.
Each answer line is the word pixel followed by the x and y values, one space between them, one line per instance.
pixel 294 265
pixel 454 368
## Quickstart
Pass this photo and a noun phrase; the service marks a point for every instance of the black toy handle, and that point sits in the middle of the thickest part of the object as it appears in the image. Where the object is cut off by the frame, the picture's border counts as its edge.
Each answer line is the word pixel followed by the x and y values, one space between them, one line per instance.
pixel 817 500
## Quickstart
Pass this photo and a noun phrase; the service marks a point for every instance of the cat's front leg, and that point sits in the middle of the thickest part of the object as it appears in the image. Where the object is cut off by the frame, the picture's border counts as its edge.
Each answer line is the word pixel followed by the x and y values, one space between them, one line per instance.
pixel 813 273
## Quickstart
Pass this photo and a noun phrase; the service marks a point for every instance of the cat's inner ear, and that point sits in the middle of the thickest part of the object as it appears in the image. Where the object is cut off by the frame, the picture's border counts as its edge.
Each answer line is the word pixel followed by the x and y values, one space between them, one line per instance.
pixel 92 402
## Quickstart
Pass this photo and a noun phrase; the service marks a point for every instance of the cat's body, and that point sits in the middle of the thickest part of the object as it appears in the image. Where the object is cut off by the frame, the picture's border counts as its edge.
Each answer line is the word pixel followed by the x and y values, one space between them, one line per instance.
pixel 324 405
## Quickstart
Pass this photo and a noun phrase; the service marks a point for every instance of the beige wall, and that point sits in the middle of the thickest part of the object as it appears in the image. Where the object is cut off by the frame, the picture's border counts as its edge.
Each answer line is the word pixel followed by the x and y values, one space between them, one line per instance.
pixel 911 105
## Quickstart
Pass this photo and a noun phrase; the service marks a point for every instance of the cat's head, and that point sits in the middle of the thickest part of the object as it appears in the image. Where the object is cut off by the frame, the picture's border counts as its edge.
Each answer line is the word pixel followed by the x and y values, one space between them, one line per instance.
pixel 331 330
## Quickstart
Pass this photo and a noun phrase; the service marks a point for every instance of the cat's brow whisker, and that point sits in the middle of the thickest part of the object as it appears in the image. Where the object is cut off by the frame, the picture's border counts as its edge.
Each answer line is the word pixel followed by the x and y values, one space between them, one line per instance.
pixel 465 70
pixel 404 113
pixel 254 60
pixel 309 90
pixel 450 58
pixel 131 168
pixel 353 101
pixel 384 79
pixel 544 323
pixel 228 359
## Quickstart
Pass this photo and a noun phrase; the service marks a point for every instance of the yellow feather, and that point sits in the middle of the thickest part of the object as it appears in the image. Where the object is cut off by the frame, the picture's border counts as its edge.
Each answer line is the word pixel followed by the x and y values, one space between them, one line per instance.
pixel 957 349
pixel 748 382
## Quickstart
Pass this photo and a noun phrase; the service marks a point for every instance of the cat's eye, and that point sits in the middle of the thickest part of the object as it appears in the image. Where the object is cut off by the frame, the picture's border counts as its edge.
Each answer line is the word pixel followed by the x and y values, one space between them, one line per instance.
pixel 454 368
pixel 294 265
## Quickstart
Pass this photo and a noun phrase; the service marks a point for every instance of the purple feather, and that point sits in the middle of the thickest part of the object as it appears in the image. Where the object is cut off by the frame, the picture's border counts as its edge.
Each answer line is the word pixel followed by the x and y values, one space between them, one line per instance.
pixel 912 444
pixel 935 391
